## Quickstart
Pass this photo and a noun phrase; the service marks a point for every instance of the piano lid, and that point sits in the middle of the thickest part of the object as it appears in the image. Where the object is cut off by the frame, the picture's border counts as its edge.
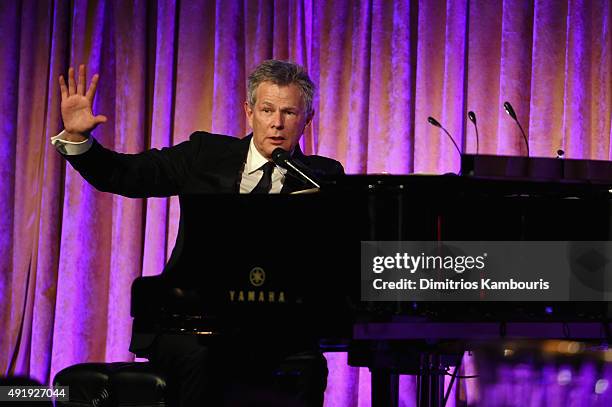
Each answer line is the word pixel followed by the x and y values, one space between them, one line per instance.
pixel 536 168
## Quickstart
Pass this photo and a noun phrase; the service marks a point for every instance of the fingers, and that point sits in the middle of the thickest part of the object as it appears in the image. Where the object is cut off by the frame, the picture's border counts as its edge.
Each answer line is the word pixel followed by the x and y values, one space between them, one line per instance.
pixel 91 91
pixel 71 82
pixel 75 88
pixel 100 119
pixel 63 88
pixel 81 83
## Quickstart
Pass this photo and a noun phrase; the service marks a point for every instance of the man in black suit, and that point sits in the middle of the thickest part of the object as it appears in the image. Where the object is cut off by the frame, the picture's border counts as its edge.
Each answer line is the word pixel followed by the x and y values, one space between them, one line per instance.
pixel 278 108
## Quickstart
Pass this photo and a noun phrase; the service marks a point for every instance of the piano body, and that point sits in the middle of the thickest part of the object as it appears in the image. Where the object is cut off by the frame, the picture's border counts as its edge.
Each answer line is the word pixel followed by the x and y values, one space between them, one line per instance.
pixel 302 275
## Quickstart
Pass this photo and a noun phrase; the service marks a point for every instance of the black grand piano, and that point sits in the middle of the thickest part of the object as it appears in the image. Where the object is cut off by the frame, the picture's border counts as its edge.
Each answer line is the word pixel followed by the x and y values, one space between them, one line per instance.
pixel 302 276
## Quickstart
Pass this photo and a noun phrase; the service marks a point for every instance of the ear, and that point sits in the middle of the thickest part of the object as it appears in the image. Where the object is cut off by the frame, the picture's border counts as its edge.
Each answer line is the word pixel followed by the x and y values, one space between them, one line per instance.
pixel 309 118
pixel 249 113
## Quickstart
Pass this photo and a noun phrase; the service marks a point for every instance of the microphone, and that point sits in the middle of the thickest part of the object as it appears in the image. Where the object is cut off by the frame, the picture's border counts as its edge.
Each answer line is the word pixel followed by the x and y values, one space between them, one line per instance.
pixel 283 159
pixel 472 117
pixel 510 110
pixel 434 122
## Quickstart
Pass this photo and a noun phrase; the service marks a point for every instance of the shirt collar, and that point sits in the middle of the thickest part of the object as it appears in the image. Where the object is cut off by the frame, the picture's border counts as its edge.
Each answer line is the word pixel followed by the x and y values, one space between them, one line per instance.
pixel 255 160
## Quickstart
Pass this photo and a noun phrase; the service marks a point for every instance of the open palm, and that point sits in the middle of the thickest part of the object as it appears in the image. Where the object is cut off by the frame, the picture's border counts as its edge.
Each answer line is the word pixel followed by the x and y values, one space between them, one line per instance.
pixel 77 104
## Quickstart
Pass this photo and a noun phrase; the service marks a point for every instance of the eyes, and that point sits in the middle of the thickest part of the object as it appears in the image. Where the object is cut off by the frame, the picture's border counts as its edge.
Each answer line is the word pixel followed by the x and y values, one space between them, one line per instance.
pixel 268 110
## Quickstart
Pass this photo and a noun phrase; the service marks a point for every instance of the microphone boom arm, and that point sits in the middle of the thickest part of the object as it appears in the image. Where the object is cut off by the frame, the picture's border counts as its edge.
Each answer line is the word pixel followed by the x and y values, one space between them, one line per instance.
pixel 452 139
pixel 283 159
pixel 288 163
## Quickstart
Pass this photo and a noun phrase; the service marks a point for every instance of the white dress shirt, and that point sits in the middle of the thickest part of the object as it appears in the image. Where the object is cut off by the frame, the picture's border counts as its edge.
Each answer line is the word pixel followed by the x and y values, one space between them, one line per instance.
pixel 252 172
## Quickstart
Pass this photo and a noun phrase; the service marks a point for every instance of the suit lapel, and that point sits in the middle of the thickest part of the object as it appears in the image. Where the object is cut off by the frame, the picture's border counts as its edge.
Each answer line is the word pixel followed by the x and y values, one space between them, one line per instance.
pixel 231 164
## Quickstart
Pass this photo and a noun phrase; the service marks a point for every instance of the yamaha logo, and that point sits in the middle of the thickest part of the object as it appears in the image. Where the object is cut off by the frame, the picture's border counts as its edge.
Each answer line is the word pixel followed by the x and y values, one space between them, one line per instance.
pixel 257 276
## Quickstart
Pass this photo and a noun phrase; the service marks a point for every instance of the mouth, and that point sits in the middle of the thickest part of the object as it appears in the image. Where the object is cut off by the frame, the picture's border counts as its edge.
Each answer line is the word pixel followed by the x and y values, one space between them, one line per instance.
pixel 276 140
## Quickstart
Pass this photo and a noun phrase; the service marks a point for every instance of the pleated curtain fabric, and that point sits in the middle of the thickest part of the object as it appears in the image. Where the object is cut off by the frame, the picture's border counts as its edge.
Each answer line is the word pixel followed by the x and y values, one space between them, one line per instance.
pixel 69 253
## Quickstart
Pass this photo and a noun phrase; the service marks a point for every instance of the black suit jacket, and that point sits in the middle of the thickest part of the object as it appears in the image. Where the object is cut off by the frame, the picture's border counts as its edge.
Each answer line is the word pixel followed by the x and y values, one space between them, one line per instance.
pixel 207 163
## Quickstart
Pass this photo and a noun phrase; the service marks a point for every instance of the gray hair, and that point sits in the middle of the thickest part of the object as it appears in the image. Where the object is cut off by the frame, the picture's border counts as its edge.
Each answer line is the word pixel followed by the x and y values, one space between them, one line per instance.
pixel 281 73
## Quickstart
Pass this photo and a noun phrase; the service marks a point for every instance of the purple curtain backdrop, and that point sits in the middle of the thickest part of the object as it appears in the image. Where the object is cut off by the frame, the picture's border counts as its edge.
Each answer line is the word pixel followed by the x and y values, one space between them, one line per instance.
pixel 68 253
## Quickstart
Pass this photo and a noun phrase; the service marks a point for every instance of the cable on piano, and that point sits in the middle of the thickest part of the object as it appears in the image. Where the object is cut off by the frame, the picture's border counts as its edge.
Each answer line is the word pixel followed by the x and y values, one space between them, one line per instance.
pixel 452 381
pixel 566 330
pixel 454 374
pixel 502 329
pixel 475 376
pixel 607 334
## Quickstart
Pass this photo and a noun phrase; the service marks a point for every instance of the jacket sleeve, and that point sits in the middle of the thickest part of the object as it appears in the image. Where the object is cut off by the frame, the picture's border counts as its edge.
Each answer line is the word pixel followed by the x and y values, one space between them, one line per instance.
pixel 153 173
pixel 338 169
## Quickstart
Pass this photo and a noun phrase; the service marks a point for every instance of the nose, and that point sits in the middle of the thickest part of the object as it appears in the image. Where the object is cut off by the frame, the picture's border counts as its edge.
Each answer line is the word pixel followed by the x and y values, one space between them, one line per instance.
pixel 277 120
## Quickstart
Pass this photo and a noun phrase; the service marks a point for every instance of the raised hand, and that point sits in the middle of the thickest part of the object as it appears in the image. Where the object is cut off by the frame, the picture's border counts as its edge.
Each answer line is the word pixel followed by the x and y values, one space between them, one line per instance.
pixel 76 105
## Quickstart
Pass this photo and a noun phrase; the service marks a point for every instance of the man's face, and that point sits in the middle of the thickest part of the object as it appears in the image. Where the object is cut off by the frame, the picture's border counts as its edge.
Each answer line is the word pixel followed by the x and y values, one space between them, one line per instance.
pixel 278 117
